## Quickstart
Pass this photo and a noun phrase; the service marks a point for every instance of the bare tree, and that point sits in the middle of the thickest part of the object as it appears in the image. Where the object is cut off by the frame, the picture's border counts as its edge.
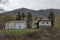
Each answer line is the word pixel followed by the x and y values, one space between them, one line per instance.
pixel 4 2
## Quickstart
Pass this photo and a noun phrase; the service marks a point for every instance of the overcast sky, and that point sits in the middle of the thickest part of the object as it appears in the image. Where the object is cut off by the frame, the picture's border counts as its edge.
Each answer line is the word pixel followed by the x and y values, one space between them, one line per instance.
pixel 32 4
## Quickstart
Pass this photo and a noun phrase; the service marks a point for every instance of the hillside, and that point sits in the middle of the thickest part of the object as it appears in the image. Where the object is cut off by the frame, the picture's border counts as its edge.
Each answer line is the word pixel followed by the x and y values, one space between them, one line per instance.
pixel 35 13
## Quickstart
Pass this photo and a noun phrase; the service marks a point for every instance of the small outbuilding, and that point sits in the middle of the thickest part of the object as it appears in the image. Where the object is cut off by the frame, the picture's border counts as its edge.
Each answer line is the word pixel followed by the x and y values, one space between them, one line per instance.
pixel 44 24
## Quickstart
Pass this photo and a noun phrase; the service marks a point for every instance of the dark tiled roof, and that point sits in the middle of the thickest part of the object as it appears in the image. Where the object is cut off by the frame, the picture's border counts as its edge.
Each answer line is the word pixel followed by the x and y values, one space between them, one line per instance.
pixel 44 20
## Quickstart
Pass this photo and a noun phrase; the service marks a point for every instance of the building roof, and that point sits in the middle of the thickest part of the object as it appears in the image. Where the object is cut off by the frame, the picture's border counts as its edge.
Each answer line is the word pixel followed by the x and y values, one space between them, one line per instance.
pixel 44 20
pixel 16 22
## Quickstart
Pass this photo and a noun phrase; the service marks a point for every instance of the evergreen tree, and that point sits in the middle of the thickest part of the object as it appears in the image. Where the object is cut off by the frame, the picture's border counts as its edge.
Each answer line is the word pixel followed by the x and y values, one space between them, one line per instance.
pixel 23 16
pixel 51 16
pixel 29 20
pixel 18 18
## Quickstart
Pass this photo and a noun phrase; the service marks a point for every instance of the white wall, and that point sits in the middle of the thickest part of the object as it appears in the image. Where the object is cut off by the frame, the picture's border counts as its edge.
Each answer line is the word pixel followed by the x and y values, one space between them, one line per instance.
pixel 23 25
pixel 45 23
pixel 13 25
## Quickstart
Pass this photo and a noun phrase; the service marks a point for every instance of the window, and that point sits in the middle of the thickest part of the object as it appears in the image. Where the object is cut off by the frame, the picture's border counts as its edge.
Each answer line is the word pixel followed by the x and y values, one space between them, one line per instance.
pixel 19 26
pixel 47 22
pixel 43 22
pixel 11 26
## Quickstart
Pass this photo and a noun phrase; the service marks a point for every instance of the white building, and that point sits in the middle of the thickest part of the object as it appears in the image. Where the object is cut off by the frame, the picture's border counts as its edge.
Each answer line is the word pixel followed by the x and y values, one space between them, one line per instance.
pixel 16 25
pixel 44 23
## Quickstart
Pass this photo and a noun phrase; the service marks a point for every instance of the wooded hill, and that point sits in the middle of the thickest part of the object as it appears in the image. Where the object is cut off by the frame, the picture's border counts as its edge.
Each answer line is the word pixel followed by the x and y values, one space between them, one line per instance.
pixel 37 13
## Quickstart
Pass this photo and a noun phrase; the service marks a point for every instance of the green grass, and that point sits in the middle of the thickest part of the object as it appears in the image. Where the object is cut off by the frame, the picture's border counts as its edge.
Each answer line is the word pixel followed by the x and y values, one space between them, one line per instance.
pixel 57 23
pixel 21 31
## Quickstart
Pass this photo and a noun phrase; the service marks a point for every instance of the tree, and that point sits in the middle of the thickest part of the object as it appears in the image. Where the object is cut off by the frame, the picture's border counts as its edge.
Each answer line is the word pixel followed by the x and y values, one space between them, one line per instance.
pixel 18 18
pixel 29 20
pixel 51 16
pixel 4 2
pixel 5 18
pixel 23 16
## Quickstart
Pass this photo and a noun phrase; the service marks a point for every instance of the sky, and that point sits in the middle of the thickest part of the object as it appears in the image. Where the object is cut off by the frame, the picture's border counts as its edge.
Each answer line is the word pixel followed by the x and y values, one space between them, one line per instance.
pixel 31 4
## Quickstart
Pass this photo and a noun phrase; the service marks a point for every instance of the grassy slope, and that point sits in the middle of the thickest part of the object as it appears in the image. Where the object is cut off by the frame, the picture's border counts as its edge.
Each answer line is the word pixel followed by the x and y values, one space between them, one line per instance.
pixel 21 31
pixel 57 22
pixel 40 35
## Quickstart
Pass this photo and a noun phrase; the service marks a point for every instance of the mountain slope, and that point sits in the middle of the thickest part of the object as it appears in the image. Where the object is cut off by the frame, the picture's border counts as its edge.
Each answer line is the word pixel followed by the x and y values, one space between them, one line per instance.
pixel 37 13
